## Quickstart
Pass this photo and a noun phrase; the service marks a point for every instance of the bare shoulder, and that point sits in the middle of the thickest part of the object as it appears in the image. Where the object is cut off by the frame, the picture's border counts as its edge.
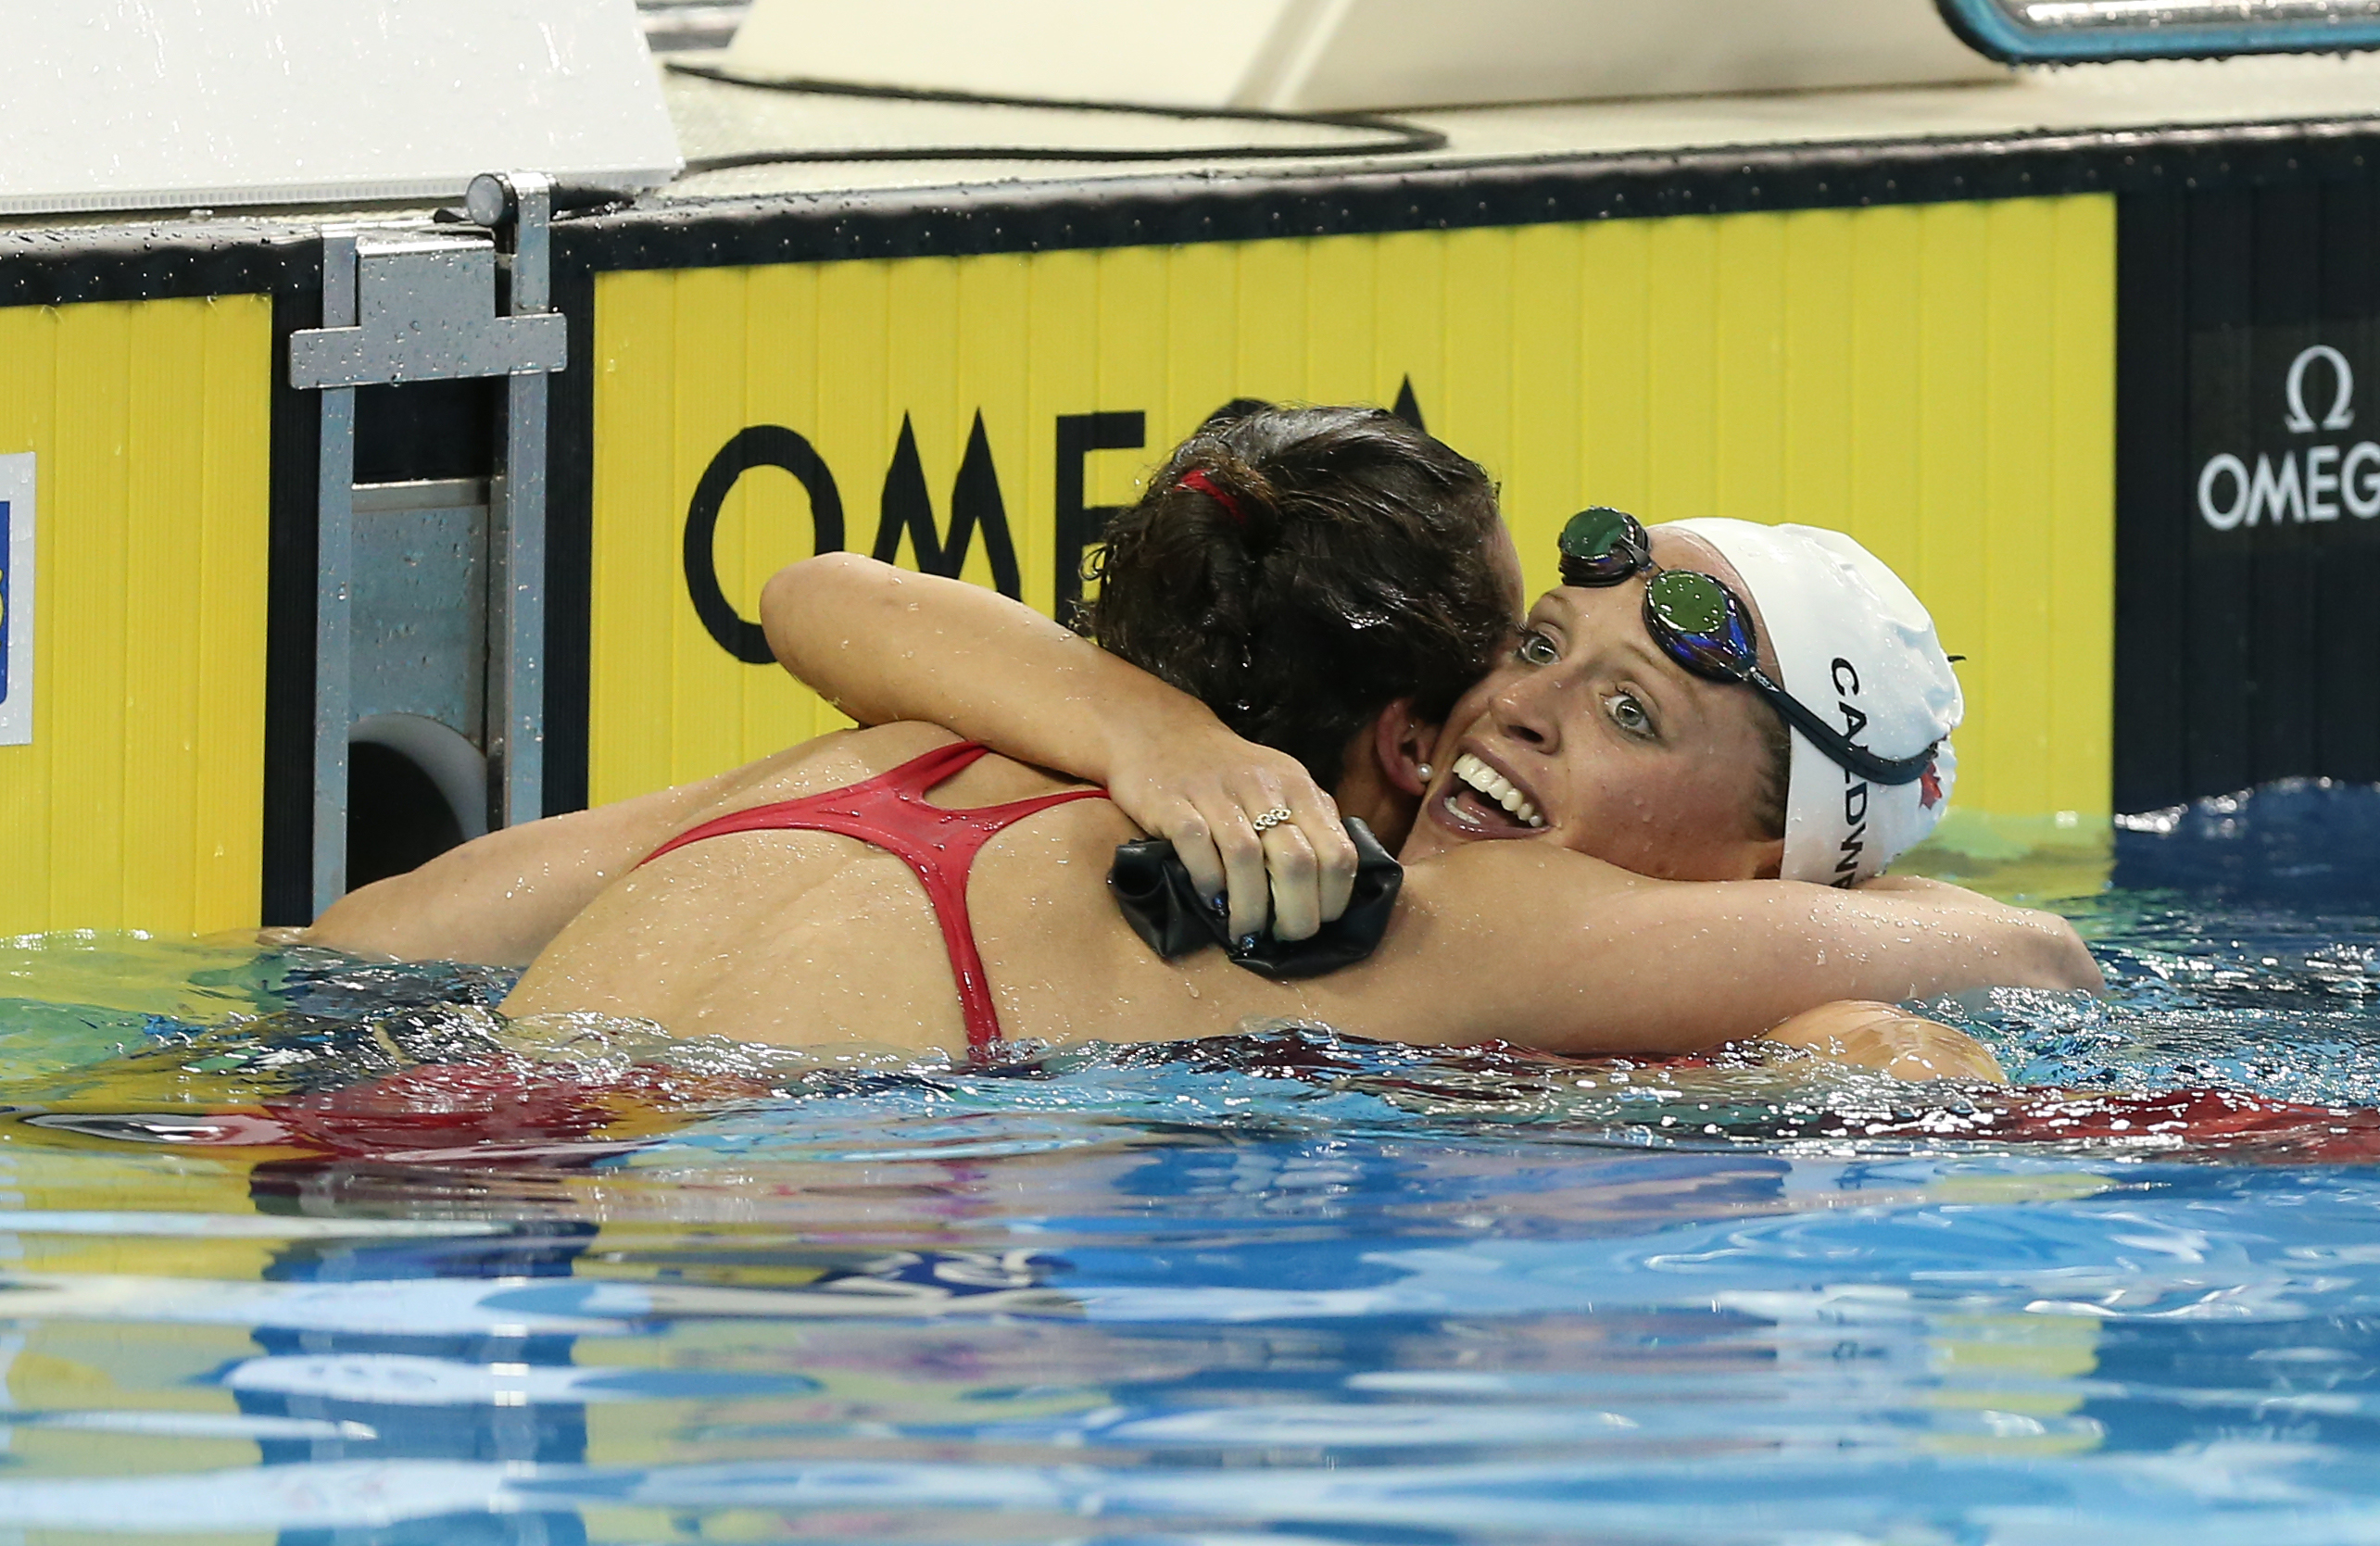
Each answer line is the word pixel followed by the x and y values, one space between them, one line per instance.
pixel 502 897
pixel 828 761
pixel 1518 883
pixel 1489 940
pixel 1495 915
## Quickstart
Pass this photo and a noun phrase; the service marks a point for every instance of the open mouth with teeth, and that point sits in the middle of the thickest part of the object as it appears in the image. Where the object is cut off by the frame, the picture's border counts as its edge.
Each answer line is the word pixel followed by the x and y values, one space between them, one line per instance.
pixel 1481 803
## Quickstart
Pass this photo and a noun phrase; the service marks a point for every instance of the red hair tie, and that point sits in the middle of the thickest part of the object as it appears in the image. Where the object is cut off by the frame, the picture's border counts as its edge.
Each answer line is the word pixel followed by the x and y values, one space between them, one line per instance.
pixel 1197 479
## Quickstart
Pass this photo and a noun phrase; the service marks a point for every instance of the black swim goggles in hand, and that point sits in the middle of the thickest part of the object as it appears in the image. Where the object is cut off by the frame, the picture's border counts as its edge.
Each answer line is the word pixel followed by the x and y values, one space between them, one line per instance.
pixel 1705 627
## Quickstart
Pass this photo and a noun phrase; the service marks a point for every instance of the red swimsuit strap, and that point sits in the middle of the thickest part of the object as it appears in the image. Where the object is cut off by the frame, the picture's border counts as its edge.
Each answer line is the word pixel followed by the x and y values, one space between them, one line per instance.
pixel 939 843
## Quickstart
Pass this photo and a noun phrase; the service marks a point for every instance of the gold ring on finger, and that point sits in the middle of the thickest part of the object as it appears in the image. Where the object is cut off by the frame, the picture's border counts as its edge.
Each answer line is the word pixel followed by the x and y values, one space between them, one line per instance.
pixel 1271 819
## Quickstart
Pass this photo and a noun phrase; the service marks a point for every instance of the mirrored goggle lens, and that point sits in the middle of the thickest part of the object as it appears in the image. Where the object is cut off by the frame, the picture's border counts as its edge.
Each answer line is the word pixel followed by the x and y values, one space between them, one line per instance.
pixel 1697 622
pixel 1601 547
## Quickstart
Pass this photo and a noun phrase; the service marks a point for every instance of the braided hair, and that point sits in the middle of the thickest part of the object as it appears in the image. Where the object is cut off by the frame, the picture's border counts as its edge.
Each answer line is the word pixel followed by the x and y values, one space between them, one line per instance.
pixel 1299 568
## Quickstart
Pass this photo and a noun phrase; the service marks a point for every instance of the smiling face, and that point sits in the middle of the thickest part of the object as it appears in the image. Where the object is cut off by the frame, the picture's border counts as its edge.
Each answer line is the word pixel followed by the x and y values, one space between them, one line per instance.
pixel 1591 738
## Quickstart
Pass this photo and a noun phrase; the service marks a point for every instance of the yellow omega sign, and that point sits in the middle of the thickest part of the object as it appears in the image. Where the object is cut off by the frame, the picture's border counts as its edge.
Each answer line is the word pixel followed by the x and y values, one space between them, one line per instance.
pixel 1936 379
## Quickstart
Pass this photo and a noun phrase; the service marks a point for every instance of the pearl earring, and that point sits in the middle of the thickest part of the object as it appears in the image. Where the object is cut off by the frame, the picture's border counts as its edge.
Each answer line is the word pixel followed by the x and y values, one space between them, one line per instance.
pixel 1423 770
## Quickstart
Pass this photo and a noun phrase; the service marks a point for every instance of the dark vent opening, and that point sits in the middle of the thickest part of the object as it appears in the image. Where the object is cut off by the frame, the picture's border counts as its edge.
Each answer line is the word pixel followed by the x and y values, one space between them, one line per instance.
pixel 396 819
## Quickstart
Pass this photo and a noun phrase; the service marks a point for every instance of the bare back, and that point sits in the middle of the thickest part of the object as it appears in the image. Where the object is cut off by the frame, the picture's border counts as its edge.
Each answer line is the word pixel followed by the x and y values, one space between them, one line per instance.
pixel 807 937
pixel 811 938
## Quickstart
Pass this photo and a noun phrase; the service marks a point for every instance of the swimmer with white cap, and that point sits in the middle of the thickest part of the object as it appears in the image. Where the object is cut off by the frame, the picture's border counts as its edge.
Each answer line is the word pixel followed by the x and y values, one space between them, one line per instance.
pixel 1714 700
pixel 1710 700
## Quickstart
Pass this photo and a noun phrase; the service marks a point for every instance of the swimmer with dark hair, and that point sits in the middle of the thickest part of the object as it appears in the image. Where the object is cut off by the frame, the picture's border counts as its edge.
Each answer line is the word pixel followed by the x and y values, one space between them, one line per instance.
pixel 1276 552
pixel 1382 586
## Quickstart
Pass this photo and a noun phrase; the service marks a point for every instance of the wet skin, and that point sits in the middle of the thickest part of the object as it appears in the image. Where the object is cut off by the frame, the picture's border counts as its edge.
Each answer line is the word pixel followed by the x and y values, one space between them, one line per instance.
pixel 1623 753
pixel 810 939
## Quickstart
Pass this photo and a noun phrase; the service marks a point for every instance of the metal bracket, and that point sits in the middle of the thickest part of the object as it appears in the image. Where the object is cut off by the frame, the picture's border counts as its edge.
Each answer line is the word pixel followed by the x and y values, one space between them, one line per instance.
pixel 409 306
pixel 426 311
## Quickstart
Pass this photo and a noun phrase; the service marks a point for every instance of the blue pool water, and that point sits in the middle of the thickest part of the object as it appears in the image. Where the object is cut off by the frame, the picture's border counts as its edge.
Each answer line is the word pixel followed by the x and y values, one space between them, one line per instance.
pixel 327 1254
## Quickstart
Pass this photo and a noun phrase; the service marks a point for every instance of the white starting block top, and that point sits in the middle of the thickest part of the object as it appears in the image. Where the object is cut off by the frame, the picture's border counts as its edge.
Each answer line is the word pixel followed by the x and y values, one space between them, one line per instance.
pixel 155 104
pixel 183 104
pixel 716 120
pixel 1342 56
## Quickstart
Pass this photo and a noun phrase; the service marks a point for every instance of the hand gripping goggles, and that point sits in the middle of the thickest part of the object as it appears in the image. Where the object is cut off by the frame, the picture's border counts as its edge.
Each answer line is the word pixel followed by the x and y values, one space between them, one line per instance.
pixel 1705 627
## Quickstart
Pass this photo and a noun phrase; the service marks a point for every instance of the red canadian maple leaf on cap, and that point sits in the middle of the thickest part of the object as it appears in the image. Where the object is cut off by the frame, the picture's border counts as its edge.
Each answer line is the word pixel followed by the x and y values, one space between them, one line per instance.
pixel 1928 784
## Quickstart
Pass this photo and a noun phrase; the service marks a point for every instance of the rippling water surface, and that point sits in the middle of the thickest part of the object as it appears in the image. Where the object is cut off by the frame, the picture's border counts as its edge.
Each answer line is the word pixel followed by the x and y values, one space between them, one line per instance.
pixel 295 1249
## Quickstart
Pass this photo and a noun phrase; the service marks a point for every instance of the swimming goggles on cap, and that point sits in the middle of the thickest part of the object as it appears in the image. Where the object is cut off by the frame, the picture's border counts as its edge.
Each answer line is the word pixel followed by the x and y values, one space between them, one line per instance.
pixel 1705 627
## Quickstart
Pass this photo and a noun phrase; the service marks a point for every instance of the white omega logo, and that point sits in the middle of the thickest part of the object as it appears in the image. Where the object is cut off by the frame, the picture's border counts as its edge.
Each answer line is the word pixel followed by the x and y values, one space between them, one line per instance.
pixel 2294 490
pixel 2342 404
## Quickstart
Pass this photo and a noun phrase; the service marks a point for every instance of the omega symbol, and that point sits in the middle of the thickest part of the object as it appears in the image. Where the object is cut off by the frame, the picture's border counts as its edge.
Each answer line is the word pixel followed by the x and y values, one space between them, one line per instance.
pixel 2342 409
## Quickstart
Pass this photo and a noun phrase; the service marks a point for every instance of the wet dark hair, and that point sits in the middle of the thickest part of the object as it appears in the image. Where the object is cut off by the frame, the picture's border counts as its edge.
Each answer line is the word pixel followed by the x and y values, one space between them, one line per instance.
pixel 1318 564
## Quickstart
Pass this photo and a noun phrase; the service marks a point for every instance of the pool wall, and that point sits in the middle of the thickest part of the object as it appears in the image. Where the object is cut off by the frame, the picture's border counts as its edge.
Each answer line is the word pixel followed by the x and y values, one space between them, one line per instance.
pixel 137 799
pixel 2247 644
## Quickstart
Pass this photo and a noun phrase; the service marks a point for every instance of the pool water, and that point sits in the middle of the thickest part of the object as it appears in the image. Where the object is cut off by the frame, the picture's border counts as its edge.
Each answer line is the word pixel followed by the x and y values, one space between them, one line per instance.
pixel 299 1250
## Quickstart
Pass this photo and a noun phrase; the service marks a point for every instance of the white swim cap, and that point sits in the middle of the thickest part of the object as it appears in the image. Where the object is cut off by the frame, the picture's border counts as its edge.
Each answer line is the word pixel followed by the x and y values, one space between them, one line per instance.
pixel 1856 646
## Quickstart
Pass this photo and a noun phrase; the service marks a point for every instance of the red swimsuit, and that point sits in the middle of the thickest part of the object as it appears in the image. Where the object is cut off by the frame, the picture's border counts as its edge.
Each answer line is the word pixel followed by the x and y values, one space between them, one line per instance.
pixel 890 812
